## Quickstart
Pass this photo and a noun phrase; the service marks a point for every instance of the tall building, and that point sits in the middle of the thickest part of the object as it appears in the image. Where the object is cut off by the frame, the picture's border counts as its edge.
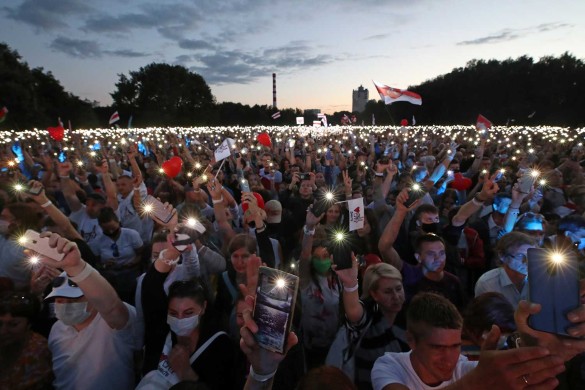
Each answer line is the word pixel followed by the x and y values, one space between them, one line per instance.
pixel 359 99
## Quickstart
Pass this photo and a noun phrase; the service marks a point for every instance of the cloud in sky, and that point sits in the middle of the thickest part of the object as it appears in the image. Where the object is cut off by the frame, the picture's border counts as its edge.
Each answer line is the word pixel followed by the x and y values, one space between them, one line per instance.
pixel 47 15
pixel 511 34
pixel 82 48
pixel 237 66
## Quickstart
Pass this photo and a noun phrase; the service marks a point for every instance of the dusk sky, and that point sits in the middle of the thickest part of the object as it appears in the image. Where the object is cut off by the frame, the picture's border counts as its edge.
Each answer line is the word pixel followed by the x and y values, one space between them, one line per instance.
pixel 320 50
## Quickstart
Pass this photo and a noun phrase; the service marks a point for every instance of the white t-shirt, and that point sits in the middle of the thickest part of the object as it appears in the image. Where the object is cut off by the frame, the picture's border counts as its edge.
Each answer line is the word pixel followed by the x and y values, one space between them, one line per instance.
pixel 126 244
pixel 98 357
pixel 129 216
pixel 88 227
pixel 395 367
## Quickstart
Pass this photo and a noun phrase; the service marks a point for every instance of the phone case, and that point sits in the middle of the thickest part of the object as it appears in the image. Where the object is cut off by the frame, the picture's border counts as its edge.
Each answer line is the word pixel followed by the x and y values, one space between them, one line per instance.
pixel 34 191
pixel 341 255
pixel 32 240
pixel 158 209
pixel 556 287
pixel 525 183
pixel 274 307
pixel 244 185
pixel 413 196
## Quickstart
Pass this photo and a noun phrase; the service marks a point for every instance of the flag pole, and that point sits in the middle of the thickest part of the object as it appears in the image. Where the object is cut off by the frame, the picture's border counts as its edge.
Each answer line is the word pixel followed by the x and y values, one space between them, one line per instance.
pixel 389 114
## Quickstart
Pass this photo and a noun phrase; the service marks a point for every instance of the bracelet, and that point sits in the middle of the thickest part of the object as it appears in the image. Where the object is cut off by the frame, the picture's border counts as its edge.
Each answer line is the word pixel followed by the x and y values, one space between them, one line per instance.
pixel 261 378
pixel 87 270
pixel 351 289
pixel 169 262
pixel 307 231
pixel 196 190
pixel 47 204
pixel 476 202
pixel 216 201
pixel 379 174
pixel 261 229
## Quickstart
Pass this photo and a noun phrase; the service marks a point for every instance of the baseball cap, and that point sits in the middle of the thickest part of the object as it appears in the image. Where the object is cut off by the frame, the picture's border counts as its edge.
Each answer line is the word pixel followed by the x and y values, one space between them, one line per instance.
pixel 64 287
pixel 259 199
pixel 273 210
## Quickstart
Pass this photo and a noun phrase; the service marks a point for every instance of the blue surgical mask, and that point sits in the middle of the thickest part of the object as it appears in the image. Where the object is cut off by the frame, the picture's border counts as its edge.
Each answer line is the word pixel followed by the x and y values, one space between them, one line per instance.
pixel 517 263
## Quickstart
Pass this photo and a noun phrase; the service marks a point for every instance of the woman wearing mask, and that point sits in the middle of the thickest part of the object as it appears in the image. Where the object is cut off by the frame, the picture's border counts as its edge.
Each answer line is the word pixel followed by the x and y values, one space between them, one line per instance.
pixel 194 349
pixel 370 318
pixel 320 293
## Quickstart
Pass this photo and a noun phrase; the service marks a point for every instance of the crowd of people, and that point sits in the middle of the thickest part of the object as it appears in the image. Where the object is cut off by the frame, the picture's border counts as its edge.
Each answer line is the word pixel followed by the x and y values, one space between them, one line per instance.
pixel 435 294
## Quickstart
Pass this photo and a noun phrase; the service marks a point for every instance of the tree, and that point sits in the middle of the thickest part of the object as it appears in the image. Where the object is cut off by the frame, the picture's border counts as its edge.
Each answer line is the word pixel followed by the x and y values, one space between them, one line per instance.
pixel 164 95
pixel 35 98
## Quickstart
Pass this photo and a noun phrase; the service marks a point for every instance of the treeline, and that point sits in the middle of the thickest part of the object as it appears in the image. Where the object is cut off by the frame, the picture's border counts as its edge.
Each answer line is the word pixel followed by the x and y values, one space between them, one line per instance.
pixel 518 91
pixel 522 91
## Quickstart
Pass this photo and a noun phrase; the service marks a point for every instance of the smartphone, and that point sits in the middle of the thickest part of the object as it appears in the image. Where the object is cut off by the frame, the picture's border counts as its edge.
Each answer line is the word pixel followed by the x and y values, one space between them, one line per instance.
pixel 323 200
pixel 33 191
pixel 525 182
pixel 416 193
pixel 329 155
pixel 341 250
pixel 244 185
pixel 305 176
pixel 554 284
pixel 33 241
pixel 182 241
pixel 276 295
pixel 156 208
pixel 62 156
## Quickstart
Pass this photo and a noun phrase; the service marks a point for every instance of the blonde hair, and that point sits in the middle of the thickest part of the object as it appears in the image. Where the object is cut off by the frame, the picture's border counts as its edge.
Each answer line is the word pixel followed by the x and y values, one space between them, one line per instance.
pixel 373 274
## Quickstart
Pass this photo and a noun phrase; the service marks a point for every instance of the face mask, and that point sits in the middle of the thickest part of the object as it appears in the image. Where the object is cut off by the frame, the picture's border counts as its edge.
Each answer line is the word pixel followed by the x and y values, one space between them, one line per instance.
pixel 146 165
pixel 517 264
pixel 183 326
pixel 112 234
pixel 322 266
pixel 4 226
pixel 430 227
pixel 71 313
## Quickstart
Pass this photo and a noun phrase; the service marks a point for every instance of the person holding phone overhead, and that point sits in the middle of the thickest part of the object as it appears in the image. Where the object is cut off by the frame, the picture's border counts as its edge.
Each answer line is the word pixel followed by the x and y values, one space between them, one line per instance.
pixel 92 341
pixel 320 294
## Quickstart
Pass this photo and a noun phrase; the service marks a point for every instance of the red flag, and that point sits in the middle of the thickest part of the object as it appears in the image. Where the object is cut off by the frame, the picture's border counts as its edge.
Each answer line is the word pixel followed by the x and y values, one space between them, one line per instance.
pixel 391 95
pixel 482 123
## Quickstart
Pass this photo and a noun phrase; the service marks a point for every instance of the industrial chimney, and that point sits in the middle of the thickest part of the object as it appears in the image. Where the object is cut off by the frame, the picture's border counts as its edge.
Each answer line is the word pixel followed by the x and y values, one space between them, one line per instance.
pixel 274 90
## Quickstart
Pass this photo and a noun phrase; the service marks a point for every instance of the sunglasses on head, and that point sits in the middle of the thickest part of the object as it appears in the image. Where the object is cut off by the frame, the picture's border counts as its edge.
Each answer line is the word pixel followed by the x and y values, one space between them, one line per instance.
pixel 60 281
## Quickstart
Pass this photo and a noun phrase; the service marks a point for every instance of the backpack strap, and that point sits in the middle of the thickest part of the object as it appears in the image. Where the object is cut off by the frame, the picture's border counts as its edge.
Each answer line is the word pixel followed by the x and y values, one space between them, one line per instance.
pixel 202 348
pixel 231 288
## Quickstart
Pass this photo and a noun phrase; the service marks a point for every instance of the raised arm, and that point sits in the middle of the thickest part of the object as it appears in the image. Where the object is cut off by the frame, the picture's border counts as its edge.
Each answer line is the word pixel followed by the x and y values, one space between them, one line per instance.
pixel 99 293
pixel 390 233
pixel 68 187
pixel 488 190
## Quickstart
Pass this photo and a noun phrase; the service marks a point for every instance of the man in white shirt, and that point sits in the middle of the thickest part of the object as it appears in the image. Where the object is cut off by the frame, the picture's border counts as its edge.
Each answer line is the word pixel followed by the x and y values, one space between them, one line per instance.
pixel 434 334
pixel 92 343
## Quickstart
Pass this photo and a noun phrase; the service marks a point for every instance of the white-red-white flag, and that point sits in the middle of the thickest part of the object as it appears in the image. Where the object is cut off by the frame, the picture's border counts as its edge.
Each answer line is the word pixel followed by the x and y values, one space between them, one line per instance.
pixel 300 120
pixel 114 118
pixel 323 118
pixel 356 213
pixel 276 115
pixel 391 95
pixel 482 123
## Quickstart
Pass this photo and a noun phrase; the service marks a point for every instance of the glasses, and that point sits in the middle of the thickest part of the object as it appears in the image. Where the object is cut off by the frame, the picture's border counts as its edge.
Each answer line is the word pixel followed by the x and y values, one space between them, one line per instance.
pixel 115 251
pixel 60 281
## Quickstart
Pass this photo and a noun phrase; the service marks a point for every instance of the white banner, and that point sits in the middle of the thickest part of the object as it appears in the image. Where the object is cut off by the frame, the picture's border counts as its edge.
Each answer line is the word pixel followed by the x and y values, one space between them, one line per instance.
pixel 356 213
pixel 224 150
pixel 300 120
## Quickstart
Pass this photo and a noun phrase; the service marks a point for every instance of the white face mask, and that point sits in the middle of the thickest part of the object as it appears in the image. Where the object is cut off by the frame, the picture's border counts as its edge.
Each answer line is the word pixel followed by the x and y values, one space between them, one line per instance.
pixel 71 313
pixel 183 326
pixel 517 263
